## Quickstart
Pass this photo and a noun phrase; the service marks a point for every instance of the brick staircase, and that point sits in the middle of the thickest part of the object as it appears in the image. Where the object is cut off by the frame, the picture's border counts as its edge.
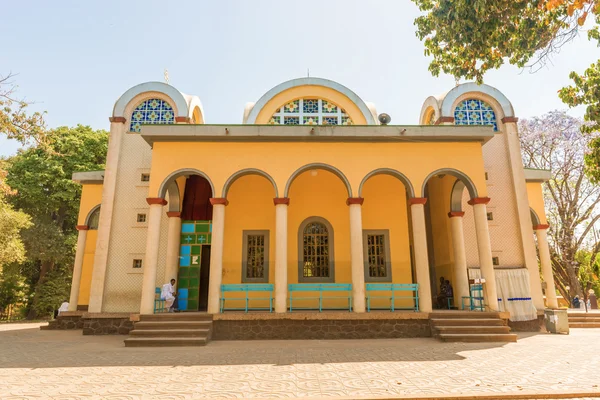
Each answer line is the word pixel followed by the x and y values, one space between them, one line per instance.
pixel 470 326
pixel 171 329
pixel 584 320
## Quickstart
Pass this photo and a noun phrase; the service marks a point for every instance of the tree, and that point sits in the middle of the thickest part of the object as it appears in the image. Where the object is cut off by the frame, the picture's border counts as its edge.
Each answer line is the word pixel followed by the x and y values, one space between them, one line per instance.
pixel 41 179
pixel 467 38
pixel 11 224
pixel 553 142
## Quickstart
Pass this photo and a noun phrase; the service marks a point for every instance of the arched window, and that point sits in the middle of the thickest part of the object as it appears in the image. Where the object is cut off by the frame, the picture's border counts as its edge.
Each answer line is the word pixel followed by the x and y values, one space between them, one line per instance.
pixel 94 218
pixel 475 112
pixel 310 112
pixel 151 111
pixel 315 248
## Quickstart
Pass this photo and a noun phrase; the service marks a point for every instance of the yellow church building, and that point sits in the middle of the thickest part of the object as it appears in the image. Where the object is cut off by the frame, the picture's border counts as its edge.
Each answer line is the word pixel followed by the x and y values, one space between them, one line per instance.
pixel 311 188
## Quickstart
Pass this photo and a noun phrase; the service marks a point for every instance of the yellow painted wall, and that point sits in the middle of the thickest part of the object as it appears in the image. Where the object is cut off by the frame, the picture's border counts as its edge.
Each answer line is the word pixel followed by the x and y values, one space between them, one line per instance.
pixel 250 208
pixel 87 268
pixel 385 207
pixel 220 160
pixel 91 196
pixel 536 200
pixel 323 196
pixel 312 92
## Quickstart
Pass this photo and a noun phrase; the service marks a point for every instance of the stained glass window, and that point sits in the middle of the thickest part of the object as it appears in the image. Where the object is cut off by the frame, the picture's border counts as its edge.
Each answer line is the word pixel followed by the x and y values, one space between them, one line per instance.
pixel 475 112
pixel 310 112
pixel 151 111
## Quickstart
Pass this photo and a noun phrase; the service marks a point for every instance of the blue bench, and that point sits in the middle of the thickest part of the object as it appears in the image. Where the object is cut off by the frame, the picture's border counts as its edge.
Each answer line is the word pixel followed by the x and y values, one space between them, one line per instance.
pixel 396 290
pixel 247 288
pixel 320 288
pixel 159 304
pixel 475 298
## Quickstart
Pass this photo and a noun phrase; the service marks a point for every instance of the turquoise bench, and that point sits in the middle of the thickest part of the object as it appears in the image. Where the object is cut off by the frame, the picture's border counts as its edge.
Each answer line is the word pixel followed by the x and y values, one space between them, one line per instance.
pixel 159 304
pixel 247 288
pixel 396 292
pixel 320 288
pixel 475 298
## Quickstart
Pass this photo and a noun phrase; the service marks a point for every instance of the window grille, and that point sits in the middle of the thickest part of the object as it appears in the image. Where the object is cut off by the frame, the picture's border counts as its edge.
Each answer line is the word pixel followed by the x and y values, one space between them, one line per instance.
pixel 151 111
pixel 255 267
pixel 94 219
pixel 310 112
pixel 316 251
pixel 377 255
pixel 145 177
pixel 475 112
pixel 141 218
pixel 137 263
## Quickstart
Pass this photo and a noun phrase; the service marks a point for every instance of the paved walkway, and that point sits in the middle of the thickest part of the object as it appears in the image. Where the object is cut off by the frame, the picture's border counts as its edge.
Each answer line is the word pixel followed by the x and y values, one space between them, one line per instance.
pixel 68 365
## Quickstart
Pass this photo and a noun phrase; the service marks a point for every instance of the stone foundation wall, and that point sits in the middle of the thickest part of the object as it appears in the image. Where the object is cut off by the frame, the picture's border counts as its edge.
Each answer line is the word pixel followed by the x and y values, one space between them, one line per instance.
pixel 535 325
pixel 264 329
pixel 66 321
pixel 106 324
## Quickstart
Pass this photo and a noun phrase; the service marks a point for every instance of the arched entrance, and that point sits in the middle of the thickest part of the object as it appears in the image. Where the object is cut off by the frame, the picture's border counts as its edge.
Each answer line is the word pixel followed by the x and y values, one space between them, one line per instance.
pixel 444 191
pixel 194 191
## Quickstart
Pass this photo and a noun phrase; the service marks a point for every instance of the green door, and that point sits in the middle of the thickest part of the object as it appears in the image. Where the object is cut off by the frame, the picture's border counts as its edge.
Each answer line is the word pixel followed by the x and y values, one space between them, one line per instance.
pixel 194 235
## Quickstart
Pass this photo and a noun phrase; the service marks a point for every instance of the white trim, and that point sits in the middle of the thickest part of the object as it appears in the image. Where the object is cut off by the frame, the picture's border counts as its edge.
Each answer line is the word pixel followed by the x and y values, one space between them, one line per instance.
pixel 447 109
pixel 537 175
pixel 305 82
pixel 175 95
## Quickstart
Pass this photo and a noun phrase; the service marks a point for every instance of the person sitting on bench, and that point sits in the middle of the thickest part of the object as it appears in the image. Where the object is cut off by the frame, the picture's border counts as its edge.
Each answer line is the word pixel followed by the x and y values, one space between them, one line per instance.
pixel 168 295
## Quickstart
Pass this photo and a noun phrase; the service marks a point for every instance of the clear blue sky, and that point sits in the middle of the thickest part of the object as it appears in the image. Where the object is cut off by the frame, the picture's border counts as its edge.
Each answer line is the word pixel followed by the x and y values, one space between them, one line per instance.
pixel 75 58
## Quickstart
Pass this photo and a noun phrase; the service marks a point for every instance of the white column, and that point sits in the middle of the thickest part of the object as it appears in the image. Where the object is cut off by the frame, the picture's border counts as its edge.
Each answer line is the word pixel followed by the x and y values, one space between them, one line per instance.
pixel 523 210
pixel 117 128
pixel 281 213
pixel 76 283
pixel 216 254
pixel 151 258
pixel 542 239
pixel 417 211
pixel 356 254
pixel 173 241
pixel 484 247
pixel 461 275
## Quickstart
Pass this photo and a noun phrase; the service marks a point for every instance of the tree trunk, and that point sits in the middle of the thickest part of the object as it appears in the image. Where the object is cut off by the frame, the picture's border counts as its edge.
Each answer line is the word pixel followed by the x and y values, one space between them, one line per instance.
pixel 45 267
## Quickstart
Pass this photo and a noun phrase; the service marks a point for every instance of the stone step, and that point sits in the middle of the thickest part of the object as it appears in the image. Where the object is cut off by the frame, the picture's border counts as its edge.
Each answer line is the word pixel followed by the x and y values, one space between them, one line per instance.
pixel 584 319
pixel 473 329
pixel 170 325
pixel 169 333
pixel 463 314
pixel 180 316
pixel 165 342
pixel 584 324
pixel 477 337
pixel 467 322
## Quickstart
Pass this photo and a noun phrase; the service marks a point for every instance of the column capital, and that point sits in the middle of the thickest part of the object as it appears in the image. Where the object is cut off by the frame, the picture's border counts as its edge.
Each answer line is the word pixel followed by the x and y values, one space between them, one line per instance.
pixel 417 200
pixel 479 200
pixel 456 214
pixel 173 214
pixel 509 119
pixel 183 119
pixel 219 200
pixel 156 200
pixel 281 200
pixel 120 120
pixel 541 227
pixel 82 227
pixel 355 200
pixel 442 120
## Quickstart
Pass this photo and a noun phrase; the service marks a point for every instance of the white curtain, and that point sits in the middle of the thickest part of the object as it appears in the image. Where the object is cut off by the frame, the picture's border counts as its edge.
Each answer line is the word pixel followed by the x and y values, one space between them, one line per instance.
pixel 514 296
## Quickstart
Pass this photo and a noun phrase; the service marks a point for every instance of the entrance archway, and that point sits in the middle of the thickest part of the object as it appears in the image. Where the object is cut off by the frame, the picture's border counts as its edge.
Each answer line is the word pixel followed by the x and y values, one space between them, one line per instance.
pixel 444 190
pixel 193 194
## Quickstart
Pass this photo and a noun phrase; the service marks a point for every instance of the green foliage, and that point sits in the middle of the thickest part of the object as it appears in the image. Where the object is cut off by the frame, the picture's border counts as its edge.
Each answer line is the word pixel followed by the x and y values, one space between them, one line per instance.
pixel 13 289
pixel 11 224
pixel 15 121
pixel 53 292
pixel 469 37
pixel 40 177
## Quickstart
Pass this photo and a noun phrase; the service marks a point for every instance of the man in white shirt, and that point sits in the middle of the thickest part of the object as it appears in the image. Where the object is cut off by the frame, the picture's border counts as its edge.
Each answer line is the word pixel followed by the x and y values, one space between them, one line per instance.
pixel 168 294
pixel 63 307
